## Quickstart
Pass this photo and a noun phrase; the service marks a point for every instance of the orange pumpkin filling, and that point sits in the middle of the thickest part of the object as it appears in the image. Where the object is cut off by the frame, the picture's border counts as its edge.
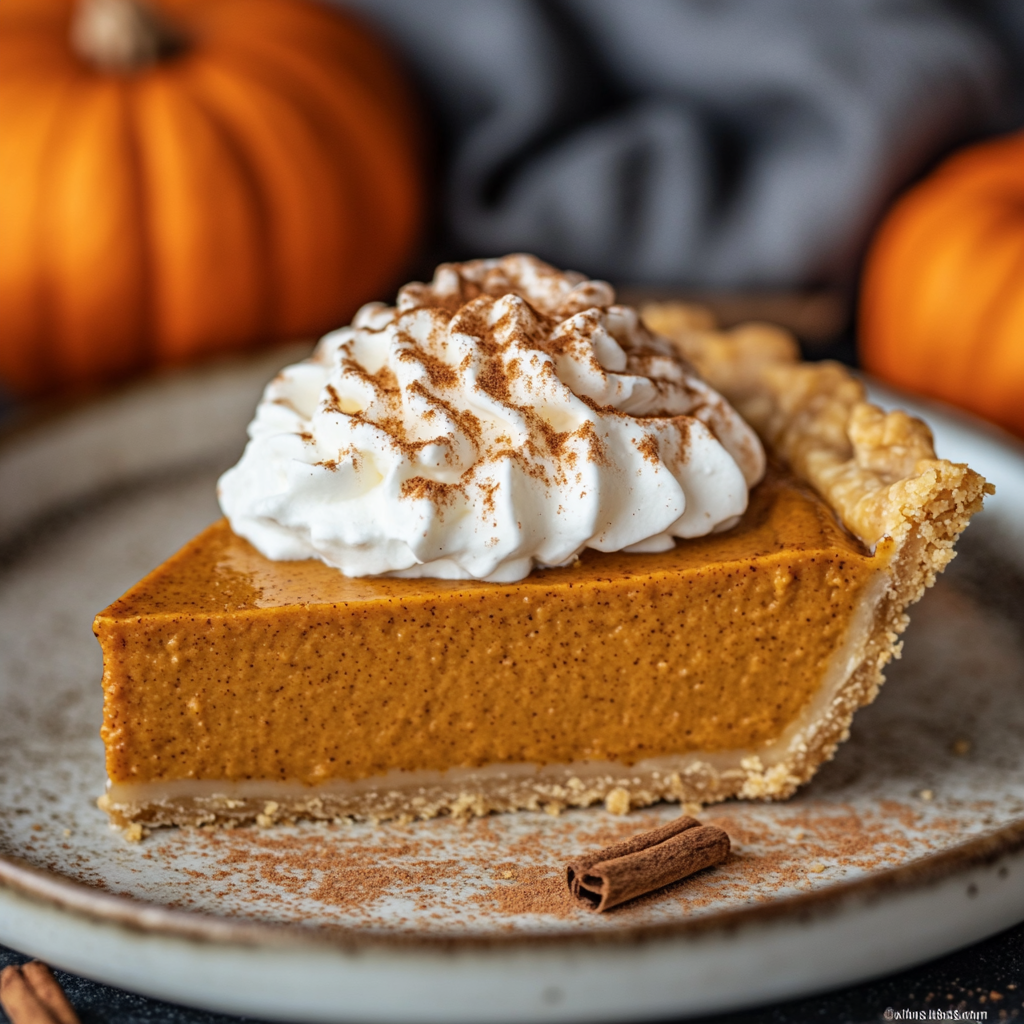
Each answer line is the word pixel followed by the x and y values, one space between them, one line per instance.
pixel 224 666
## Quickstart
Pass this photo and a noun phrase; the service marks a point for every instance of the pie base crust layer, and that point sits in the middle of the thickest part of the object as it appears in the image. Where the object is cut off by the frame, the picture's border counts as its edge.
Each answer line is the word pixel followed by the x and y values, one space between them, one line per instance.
pixel 878 474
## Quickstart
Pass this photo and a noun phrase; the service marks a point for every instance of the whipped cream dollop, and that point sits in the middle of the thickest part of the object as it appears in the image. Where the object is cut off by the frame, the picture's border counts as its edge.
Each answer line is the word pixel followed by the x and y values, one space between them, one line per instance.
pixel 504 416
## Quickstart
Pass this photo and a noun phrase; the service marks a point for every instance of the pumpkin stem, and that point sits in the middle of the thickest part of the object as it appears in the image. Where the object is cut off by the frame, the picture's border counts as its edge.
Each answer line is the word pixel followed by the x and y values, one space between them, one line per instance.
pixel 122 35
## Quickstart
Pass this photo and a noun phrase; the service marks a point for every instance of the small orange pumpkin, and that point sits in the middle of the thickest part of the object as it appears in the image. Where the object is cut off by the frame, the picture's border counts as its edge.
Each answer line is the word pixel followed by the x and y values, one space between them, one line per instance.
pixel 200 177
pixel 942 300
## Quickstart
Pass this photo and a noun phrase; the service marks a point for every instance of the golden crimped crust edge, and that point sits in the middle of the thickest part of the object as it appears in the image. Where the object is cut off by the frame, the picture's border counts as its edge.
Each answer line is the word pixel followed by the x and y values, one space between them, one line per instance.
pixel 877 470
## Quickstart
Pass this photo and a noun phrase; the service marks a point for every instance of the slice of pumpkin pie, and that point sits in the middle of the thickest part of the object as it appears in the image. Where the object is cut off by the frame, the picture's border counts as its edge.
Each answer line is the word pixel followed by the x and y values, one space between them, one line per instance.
pixel 501 546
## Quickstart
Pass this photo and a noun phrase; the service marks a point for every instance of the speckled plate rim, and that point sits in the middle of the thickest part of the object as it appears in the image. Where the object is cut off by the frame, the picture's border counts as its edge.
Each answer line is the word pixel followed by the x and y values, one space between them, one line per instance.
pixel 940 879
pixel 863 933
pixel 37 883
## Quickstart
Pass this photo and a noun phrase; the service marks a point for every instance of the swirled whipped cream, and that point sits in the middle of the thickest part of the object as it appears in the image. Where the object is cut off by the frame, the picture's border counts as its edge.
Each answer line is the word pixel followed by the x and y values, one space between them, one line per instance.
pixel 504 416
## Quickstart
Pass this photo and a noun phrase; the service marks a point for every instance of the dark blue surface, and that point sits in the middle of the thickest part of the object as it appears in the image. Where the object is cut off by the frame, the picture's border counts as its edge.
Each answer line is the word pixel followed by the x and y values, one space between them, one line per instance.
pixel 961 982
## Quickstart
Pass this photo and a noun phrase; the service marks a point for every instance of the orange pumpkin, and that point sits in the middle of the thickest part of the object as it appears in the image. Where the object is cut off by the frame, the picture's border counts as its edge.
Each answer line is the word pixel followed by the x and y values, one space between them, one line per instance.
pixel 198 178
pixel 942 302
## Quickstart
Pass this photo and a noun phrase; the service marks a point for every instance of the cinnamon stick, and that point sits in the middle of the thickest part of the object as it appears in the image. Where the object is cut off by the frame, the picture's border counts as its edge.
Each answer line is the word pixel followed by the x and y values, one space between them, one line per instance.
pixel 577 868
pixel 30 994
pixel 645 862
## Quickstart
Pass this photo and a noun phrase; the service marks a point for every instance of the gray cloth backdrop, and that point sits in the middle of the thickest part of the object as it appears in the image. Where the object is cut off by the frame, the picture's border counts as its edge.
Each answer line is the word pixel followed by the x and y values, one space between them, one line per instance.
pixel 711 142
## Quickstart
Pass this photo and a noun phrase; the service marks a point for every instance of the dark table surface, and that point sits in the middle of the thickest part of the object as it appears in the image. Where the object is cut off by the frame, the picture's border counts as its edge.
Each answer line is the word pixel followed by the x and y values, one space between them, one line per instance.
pixel 987 978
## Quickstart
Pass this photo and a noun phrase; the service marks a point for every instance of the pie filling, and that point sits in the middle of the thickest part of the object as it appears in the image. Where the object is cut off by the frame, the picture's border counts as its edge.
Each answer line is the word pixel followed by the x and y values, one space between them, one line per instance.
pixel 237 687
pixel 691 777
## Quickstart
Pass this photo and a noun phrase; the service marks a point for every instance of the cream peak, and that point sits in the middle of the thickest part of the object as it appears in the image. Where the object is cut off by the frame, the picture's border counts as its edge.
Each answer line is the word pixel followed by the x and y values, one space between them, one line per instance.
pixel 504 416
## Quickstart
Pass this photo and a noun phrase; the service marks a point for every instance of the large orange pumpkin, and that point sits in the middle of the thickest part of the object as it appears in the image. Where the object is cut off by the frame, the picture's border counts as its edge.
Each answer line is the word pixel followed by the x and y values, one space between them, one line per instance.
pixel 942 306
pixel 199 177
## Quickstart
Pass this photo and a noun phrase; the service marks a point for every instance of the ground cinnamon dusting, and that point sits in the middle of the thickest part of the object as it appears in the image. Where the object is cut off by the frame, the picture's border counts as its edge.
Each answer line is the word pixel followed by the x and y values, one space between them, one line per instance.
pixel 440 373
pixel 551 313
pixel 531 891
pixel 482 874
pixel 423 488
pixel 648 448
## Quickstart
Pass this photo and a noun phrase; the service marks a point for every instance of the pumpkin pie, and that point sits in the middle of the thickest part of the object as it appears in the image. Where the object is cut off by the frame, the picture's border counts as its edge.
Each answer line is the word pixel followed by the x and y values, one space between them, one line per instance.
pixel 241 688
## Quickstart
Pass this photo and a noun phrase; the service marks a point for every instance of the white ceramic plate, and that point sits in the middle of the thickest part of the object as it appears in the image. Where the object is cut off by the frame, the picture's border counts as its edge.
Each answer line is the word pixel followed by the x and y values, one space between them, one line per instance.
pixel 908 845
